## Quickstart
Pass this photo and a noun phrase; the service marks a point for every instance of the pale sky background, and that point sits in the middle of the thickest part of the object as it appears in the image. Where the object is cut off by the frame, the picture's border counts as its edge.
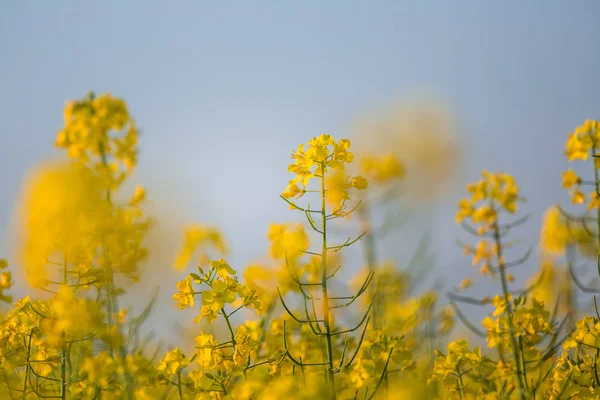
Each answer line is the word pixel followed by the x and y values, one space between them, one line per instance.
pixel 224 90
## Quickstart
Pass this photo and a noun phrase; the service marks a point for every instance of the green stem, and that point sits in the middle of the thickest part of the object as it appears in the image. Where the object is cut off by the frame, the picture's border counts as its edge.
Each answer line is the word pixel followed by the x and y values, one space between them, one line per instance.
pixel 179 385
pixel 231 334
pixel 509 311
pixel 27 364
pixel 461 385
pixel 325 297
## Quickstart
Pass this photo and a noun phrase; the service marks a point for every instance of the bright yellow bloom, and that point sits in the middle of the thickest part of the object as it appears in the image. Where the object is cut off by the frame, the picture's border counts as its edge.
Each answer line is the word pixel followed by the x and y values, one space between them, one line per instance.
pixel 222 268
pixel 185 293
pixel 580 143
pixel 206 354
pixel 321 155
pixel 293 191
pixel 217 296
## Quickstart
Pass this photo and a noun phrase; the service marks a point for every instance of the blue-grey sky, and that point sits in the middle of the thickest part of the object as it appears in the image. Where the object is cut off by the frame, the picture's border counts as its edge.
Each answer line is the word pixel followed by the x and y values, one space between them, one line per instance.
pixel 223 91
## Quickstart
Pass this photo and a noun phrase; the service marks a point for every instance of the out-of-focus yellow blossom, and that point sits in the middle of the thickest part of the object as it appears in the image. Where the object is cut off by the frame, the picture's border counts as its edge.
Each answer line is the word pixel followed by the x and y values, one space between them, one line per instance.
pixel 139 195
pixel 465 284
pixel 337 186
pixel 173 362
pixel 594 201
pixel 120 316
pixel 76 317
pixel 557 233
pixel 465 210
pixel 551 284
pixel 383 169
pixel 202 240
pixel 67 220
pixel 570 179
pixel 63 214
pixel 554 235
pixel 265 281
pixel 483 253
pixel 414 143
pixel 578 197
pixel 100 372
pixel 288 241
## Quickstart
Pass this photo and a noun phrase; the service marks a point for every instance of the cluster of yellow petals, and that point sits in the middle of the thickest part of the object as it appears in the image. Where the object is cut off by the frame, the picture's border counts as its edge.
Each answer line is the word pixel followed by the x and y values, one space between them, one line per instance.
pixel 530 323
pixel 222 288
pixel 494 192
pixel 98 127
pixel 320 155
pixel 582 141
pixel 173 362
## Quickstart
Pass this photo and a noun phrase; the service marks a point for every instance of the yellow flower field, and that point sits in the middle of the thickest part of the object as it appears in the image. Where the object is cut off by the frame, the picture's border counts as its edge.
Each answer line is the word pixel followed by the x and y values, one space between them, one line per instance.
pixel 286 328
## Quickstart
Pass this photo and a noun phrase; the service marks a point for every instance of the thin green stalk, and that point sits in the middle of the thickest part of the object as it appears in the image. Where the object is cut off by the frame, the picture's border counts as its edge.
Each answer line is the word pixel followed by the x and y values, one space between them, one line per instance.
pixel 179 385
pixel 509 311
pixel 27 364
pixel 461 385
pixel 231 334
pixel 325 297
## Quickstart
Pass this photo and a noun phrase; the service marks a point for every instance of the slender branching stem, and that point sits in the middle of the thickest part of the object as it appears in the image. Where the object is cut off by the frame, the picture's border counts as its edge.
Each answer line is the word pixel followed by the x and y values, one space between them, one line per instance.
pixel 509 312
pixel 325 297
